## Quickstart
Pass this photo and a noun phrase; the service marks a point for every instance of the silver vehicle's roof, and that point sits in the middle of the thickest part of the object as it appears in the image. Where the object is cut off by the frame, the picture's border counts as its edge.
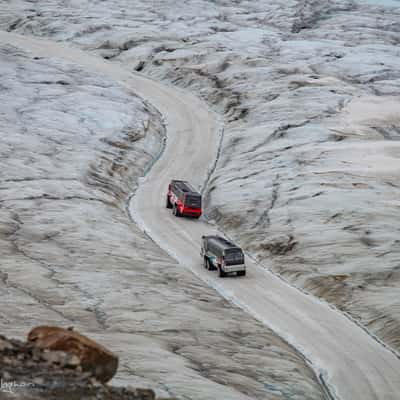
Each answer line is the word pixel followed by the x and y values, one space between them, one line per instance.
pixel 222 242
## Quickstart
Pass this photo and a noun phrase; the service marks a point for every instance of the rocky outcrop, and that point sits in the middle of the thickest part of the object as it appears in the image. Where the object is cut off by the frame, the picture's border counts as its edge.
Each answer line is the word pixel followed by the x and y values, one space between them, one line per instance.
pixel 31 373
pixel 91 356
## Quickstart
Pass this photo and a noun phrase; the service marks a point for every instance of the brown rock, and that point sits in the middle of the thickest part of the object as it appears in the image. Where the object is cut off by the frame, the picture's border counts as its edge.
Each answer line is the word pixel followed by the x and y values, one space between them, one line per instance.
pixel 55 357
pixel 93 357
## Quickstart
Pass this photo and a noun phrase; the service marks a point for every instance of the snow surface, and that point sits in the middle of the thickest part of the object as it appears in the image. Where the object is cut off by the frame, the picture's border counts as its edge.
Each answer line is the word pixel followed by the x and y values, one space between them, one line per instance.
pixel 73 145
pixel 312 182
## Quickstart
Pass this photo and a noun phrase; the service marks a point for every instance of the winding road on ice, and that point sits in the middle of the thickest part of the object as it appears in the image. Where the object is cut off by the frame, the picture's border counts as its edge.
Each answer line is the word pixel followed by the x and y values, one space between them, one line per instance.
pixel 350 363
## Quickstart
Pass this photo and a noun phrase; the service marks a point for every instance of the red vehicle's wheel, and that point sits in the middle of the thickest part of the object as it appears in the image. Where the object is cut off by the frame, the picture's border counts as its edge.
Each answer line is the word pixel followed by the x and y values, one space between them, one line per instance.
pixel 175 211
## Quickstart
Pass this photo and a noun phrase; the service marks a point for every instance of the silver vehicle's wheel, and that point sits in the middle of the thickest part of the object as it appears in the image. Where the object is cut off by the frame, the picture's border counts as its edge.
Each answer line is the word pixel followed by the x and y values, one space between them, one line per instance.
pixel 221 273
pixel 205 263
pixel 241 273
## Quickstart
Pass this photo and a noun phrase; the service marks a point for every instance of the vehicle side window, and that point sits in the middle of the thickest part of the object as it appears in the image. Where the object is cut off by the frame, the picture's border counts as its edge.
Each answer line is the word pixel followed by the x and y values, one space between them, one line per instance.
pixel 214 249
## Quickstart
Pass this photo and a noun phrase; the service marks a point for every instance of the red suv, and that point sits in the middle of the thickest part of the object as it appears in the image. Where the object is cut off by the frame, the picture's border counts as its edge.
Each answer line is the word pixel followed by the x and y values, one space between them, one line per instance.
pixel 183 199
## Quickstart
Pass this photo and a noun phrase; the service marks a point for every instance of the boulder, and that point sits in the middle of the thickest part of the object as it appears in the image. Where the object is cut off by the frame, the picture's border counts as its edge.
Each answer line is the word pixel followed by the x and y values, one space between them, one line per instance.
pixel 93 358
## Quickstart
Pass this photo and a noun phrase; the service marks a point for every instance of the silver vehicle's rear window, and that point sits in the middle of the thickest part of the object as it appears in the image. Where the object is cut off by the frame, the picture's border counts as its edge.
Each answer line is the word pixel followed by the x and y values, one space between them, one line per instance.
pixel 233 256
